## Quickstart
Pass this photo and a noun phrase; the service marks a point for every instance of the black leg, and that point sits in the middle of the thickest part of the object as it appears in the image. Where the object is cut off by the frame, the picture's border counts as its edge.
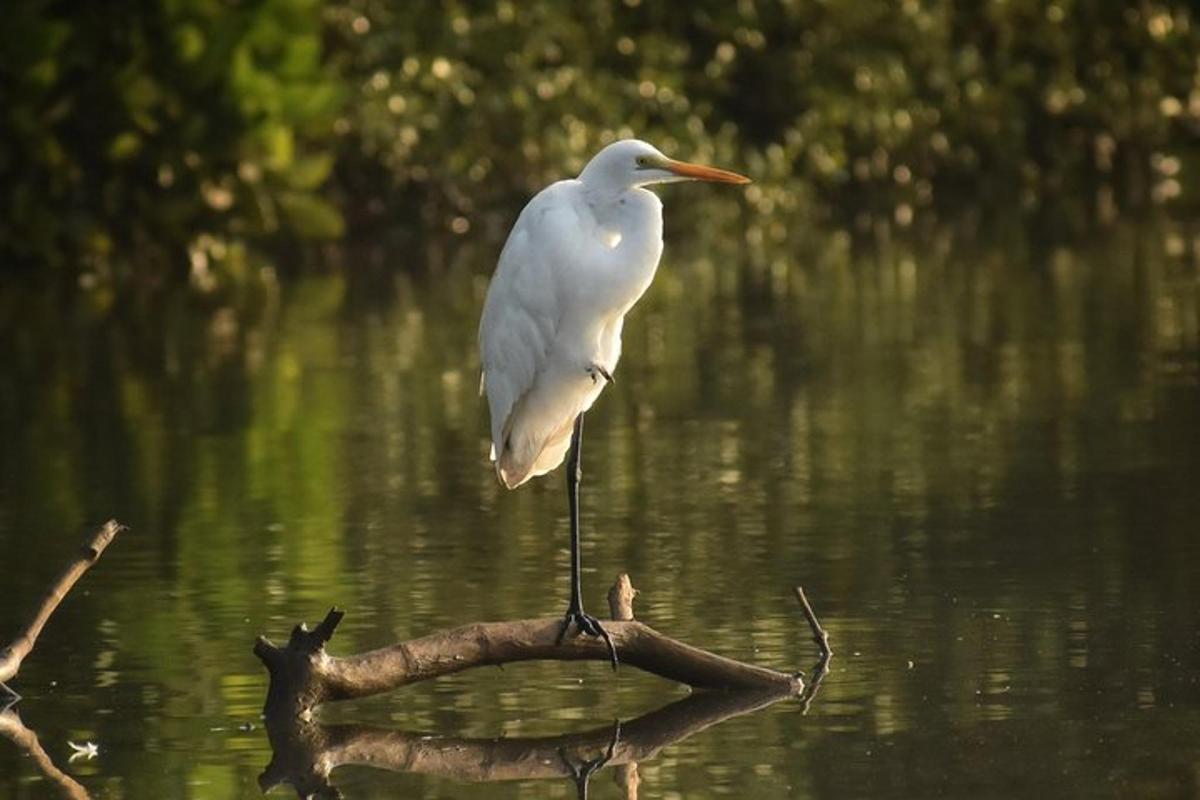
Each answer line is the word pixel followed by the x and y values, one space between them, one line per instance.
pixel 575 613
pixel 574 473
pixel 582 773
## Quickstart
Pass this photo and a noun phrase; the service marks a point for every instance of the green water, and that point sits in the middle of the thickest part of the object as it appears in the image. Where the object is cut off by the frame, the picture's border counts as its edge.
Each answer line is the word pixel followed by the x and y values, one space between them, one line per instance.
pixel 978 450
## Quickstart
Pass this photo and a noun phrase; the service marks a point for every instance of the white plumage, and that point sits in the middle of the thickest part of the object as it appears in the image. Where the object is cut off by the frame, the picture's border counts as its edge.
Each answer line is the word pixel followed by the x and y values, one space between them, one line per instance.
pixel 579 256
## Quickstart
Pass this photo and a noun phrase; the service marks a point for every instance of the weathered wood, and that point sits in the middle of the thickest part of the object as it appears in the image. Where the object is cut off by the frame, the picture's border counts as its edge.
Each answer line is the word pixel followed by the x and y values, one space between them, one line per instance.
pixel 820 637
pixel 14 654
pixel 304 675
pixel 620 598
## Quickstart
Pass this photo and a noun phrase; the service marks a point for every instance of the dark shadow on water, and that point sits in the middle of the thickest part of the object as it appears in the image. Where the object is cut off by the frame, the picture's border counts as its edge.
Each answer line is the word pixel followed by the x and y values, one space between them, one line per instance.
pixel 306 753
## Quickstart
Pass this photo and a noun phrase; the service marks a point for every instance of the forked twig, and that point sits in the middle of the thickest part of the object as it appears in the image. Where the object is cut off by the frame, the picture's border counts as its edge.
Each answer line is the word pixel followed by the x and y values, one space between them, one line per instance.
pixel 819 635
pixel 821 638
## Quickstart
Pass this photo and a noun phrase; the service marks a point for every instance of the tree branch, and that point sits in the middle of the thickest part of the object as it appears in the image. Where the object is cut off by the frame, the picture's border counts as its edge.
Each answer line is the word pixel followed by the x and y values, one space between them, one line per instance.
pixel 303 675
pixel 12 656
pixel 821 638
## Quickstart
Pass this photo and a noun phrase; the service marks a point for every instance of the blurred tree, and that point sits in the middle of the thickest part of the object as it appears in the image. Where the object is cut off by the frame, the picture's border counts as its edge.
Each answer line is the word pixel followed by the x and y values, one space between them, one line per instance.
pixel 868 105
pixel 131 138
pixel 139 146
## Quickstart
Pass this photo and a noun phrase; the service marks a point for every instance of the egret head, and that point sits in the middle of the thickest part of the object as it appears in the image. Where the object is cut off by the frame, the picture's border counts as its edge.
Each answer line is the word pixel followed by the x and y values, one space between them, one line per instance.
pixel 632 162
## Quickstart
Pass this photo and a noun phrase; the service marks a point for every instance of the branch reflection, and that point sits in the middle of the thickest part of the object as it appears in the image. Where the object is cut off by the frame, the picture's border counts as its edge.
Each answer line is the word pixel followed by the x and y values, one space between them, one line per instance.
pixel 306 753
pixel 13 729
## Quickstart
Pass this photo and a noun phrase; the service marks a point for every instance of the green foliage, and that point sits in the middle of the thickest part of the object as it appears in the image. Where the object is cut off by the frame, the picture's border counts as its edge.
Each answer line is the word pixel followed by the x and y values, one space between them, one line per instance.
pixel 874 105
pixel 127 137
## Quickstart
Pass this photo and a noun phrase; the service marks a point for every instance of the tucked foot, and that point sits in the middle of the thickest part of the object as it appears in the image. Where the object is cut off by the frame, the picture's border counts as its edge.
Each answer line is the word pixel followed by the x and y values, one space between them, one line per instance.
pixel 583 771
pixel 597 372
pixel 589 625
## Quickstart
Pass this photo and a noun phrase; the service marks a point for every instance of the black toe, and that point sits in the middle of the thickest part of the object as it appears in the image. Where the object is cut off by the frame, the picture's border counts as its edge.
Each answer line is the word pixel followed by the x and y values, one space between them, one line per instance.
pixel 589 625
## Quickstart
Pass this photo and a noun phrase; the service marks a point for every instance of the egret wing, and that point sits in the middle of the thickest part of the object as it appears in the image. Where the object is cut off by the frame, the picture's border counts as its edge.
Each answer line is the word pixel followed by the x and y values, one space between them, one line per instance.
pixel 517 333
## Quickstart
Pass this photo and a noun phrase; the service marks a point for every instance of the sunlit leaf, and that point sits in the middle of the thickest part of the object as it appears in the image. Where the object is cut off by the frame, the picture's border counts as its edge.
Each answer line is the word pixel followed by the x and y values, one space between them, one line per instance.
pixel 309 172
pixel 310 216
pixel 124 146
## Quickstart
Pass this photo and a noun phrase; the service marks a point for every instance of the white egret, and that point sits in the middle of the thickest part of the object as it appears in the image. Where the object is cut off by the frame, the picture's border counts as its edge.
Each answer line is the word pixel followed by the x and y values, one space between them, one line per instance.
pixel 579 256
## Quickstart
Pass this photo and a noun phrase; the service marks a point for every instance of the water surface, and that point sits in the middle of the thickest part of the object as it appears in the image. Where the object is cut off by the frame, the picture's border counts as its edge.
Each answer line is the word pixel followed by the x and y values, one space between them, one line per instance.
pixel 978 451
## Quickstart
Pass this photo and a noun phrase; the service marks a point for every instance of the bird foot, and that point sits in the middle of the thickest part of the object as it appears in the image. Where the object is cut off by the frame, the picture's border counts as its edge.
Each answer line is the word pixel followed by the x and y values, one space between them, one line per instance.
pixel 583 771
pixel 589 625
pixel 597 372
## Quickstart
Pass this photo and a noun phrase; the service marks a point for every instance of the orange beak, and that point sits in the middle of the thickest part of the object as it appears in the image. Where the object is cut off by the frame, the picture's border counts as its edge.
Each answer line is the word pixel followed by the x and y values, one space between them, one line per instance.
pixel 699 172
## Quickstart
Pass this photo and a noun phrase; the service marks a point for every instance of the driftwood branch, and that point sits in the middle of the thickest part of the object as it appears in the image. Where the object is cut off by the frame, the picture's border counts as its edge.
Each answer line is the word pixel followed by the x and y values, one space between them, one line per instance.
pixel 821 639
pixel 15 731
pixel 303 675
pixel 306 752
pixel 15 653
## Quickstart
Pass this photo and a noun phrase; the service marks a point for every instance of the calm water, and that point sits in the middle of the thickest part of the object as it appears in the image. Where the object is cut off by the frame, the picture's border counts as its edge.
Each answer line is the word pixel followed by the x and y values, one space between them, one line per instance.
pixel 979 452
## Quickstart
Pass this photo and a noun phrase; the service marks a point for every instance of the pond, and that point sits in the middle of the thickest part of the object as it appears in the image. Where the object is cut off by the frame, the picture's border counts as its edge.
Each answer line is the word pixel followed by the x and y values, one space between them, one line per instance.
pixel 977 448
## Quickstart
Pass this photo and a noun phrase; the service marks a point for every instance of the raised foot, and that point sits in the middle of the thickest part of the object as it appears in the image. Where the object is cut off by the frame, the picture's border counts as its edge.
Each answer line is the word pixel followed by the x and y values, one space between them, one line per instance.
pixel 589 625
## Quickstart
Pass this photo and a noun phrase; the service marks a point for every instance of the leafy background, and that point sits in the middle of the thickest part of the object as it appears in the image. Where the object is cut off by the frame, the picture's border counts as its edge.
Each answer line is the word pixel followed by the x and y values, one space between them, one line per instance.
pixel 215 144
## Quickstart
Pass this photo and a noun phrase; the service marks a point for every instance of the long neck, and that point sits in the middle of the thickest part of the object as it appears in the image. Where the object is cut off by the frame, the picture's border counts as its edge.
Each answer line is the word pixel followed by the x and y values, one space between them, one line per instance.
pixel 608 203
pixel 632 212
pixel 599 178
pixel 622 258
